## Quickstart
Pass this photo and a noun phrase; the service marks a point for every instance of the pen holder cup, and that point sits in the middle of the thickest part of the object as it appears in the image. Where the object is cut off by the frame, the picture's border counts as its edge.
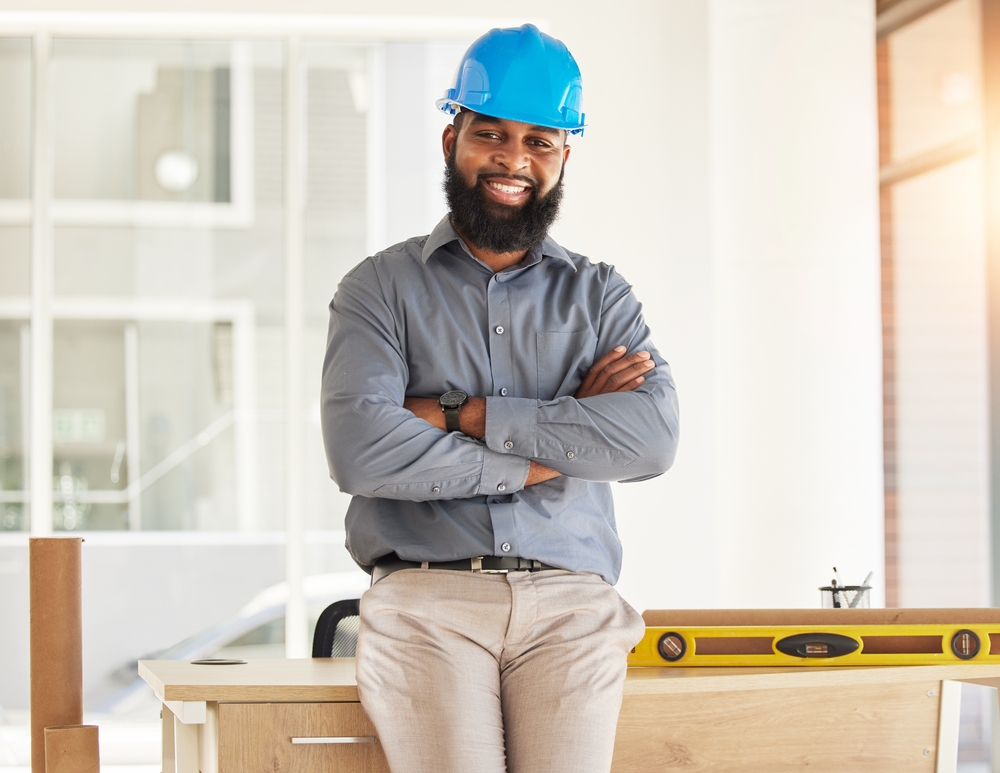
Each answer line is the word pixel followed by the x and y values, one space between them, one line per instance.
pixel 846 597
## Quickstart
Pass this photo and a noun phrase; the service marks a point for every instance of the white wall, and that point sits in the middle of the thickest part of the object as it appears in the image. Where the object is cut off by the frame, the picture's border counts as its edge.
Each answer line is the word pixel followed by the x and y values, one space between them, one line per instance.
pixel 796 291
pixel 655 160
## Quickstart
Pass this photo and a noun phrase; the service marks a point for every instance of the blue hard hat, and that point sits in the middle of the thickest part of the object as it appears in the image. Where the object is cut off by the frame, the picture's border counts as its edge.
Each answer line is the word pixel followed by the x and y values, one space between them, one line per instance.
pixel 520 74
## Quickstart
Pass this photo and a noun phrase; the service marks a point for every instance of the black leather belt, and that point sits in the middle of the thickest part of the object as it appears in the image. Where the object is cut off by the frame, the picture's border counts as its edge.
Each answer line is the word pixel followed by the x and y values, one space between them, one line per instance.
pixel 482 564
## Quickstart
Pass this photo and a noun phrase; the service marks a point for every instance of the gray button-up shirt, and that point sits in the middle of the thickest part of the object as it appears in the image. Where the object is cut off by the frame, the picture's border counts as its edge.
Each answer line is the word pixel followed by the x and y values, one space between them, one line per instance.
pixel 425 317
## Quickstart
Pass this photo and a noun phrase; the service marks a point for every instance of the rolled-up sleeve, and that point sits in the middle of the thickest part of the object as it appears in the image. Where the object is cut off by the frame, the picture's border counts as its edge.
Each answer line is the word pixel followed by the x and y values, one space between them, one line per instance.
pixel 375 447
pixel 624 436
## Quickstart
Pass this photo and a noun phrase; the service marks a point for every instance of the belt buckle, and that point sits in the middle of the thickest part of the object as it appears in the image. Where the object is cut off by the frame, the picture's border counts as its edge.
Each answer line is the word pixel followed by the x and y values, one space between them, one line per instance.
pixel 477 567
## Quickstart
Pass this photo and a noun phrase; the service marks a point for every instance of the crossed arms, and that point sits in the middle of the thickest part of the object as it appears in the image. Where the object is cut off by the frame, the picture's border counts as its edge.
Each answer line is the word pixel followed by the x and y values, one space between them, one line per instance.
pixel 380 443
pixel 616 371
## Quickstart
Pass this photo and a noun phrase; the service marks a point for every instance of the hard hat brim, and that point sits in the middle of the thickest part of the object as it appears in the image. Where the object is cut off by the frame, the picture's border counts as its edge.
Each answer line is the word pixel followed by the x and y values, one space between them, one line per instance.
pixel 452 107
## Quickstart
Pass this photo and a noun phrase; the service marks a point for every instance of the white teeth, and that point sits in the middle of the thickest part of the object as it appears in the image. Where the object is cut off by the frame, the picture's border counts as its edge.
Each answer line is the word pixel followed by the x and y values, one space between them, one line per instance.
pixel 507 188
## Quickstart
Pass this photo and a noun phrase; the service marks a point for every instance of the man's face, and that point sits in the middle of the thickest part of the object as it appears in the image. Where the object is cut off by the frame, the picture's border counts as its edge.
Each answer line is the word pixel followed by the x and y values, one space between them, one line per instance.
pixel 503 180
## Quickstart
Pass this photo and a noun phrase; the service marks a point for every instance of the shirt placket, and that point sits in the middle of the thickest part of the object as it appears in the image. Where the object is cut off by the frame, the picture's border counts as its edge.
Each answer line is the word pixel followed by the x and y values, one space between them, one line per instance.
pixel 502 372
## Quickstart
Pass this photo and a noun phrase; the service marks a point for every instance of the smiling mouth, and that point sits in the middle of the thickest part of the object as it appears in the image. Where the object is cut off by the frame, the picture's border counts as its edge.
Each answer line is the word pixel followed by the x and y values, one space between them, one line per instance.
pixel 506 188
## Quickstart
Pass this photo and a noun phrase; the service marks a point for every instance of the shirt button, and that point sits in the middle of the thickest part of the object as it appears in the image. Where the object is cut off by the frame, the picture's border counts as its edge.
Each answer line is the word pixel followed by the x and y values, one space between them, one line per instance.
pixel 570 454
pixel 499 330
pixel 503 392
pixel 436 489
pixel 509 444
pixel 505 547
pixel 501 487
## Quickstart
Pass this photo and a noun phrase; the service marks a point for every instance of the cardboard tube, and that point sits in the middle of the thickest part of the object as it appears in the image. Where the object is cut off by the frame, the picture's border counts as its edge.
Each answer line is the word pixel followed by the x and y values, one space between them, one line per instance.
pixel 72 749
pixel 56 639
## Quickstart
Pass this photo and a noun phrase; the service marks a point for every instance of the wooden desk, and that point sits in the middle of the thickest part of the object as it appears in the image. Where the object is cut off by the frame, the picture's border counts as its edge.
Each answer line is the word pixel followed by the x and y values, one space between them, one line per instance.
pixel 243 719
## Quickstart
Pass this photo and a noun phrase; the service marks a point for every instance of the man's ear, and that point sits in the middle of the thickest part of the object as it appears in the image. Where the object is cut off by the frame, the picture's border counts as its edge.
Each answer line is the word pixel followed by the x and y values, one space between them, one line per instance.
pixel 448 140
pixel 566 150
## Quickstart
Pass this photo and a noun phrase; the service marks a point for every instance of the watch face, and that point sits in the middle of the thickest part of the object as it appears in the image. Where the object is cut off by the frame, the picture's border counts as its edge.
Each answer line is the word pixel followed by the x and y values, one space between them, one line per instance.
pixel 453 399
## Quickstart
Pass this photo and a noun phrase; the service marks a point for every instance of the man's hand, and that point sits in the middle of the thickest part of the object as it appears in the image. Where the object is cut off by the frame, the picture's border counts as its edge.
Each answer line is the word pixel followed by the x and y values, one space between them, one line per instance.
pixel 616 371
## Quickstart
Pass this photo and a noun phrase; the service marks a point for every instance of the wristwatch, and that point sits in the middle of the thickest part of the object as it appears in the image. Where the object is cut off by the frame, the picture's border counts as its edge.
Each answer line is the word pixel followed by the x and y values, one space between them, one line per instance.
pixel 451 403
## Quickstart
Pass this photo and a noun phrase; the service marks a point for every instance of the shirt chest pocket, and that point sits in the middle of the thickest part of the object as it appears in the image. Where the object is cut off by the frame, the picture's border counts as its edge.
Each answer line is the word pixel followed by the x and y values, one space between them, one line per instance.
pixel 562 360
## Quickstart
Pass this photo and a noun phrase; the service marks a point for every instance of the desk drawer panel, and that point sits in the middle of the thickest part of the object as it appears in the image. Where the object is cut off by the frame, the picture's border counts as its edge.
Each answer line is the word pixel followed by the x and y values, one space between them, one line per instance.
pixel 273 737
pixel 878 728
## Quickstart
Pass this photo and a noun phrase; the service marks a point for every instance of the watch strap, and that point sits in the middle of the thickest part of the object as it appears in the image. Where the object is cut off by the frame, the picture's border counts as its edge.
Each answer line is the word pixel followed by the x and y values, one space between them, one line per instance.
pixel 452 420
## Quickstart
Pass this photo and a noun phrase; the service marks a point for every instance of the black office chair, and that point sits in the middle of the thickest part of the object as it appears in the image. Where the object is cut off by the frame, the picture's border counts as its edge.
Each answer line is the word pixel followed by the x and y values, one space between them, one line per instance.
pixel 336 634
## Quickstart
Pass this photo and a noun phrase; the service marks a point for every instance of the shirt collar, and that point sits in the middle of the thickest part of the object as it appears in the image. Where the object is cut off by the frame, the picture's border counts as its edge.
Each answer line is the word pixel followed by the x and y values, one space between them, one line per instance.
pixel 444 234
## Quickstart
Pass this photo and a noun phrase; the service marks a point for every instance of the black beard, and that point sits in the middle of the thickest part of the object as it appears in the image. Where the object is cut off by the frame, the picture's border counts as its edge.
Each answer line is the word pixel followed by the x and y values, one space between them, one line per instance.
pixel 495 227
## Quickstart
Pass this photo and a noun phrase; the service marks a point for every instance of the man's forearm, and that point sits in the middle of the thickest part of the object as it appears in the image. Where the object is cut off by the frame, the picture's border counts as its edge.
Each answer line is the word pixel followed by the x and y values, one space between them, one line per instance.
pixel 472 422
pixel 472 416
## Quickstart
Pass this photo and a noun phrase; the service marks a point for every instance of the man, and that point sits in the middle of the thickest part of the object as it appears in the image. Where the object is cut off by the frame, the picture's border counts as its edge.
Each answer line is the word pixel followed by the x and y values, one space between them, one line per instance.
pixel 482 385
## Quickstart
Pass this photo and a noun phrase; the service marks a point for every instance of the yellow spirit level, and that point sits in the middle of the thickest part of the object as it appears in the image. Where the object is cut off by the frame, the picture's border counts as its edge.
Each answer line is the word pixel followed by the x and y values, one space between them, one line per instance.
pixel 818 638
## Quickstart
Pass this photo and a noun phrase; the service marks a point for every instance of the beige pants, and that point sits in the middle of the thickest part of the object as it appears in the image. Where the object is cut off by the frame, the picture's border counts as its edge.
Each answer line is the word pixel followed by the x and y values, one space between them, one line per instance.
pixel 486 673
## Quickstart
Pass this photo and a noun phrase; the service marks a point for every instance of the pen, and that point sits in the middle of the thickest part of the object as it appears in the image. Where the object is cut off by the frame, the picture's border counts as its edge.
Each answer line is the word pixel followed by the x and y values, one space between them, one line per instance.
pixel 861 590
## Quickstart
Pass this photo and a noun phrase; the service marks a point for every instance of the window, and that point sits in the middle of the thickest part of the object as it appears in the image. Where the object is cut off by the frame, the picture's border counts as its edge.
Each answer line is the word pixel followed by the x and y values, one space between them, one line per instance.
pixel 168 223
pixel 934 293
pixel 15 272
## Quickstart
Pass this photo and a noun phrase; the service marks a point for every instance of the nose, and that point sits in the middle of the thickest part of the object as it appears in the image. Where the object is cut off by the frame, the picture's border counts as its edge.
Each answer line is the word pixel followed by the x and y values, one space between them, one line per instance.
pixel 511 154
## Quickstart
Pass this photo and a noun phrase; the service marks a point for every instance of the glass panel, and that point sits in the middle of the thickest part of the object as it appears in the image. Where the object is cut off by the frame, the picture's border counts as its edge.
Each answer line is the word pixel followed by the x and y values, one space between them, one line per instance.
pixel 183 406
pixel 338 95
pixel 141 120
pixel 941 387
pixel 88 426
pixel 14 344
pixel 186 424
pixel 15 261
pixel 934 75
pixel 416 75
pixel 339 129
pixel 15 128
pixel 192 396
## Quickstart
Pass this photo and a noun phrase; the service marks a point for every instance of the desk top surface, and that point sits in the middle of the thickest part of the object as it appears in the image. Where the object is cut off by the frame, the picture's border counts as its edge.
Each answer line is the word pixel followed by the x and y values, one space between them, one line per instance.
pixel 332 679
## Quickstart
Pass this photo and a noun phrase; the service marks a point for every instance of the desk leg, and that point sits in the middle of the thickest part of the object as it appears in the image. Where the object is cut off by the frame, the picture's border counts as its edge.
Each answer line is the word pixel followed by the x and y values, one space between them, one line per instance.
pixel 182 723
pixel 167 739
pixel 948 720
pixel 185 746
pixel 208 740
